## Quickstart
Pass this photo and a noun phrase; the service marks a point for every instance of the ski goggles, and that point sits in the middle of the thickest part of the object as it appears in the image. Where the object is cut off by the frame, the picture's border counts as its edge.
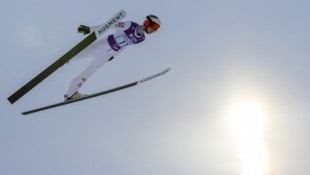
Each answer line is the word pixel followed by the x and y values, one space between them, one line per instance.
pixel 154 26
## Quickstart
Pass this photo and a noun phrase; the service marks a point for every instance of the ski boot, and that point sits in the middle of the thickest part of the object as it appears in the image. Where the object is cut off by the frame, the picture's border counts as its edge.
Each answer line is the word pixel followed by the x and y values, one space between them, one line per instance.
pixel 75 96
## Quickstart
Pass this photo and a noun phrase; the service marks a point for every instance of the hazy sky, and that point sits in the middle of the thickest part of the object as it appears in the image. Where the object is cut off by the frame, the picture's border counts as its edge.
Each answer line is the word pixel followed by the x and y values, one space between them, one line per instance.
pixel 220 52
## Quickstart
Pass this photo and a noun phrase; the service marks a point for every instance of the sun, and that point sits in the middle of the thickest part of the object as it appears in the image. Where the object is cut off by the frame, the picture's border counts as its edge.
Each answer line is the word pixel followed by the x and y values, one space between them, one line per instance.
pixel 247 124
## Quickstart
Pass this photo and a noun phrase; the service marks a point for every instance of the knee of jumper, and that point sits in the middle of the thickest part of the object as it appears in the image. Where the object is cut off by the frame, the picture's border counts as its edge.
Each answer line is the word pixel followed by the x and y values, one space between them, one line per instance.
pixel 82 80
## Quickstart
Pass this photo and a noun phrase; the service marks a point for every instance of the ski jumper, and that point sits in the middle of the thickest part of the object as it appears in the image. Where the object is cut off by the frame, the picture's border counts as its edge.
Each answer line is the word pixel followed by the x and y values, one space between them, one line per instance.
pixel 104 50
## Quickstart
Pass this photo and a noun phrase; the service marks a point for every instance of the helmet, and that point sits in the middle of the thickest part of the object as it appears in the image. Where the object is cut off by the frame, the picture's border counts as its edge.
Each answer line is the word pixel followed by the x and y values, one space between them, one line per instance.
pixel 152 21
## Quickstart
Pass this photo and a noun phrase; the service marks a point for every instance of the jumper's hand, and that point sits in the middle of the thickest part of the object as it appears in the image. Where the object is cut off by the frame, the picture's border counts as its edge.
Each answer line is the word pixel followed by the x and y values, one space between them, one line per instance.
pixel 83 29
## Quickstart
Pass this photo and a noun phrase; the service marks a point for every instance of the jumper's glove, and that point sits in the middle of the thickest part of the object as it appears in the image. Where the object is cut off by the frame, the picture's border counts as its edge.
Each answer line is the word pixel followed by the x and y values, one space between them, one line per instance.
pixel 84 29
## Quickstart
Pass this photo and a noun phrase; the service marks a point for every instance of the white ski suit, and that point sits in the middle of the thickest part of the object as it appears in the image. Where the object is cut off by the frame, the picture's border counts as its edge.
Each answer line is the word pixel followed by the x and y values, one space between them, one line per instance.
pixel 104 50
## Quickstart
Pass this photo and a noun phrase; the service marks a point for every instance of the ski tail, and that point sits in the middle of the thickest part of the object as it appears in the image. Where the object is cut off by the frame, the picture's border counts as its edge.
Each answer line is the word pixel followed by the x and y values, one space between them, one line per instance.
pixel 98 94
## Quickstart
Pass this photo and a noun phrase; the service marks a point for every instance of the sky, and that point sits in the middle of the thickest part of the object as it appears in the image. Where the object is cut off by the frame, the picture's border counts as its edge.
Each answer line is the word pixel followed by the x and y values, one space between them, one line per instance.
pixel 236 100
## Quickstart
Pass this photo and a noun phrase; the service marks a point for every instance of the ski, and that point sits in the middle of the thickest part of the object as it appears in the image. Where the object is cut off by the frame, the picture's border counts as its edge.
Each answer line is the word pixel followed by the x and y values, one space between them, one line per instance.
pixel 97 94
pixel 67 56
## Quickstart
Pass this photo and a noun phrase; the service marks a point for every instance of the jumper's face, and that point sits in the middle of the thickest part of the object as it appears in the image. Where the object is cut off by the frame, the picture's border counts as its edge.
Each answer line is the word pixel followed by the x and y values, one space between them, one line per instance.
pixel 150 30
pixel 151 27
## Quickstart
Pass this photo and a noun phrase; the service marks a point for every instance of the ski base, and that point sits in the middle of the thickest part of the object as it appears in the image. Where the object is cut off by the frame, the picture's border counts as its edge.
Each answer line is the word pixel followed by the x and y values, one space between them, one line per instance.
pixel 97 94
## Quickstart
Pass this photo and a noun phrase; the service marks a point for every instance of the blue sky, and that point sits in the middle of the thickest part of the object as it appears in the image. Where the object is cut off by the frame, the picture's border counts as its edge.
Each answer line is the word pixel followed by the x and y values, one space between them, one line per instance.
pixel 220 52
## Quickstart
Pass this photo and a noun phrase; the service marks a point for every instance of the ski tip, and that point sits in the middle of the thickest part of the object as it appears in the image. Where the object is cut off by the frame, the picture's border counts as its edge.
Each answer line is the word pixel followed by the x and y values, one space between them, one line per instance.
pixel 166 70
pixel 123 12
pixel 155 75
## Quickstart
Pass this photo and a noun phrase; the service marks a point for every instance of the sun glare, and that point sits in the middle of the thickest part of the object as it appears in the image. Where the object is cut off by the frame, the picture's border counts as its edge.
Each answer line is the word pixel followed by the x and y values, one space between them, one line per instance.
pixel 247 120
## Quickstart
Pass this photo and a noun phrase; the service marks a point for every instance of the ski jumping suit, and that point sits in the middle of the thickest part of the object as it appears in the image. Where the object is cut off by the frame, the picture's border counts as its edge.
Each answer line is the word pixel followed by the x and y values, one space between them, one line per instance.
pixel 104 50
